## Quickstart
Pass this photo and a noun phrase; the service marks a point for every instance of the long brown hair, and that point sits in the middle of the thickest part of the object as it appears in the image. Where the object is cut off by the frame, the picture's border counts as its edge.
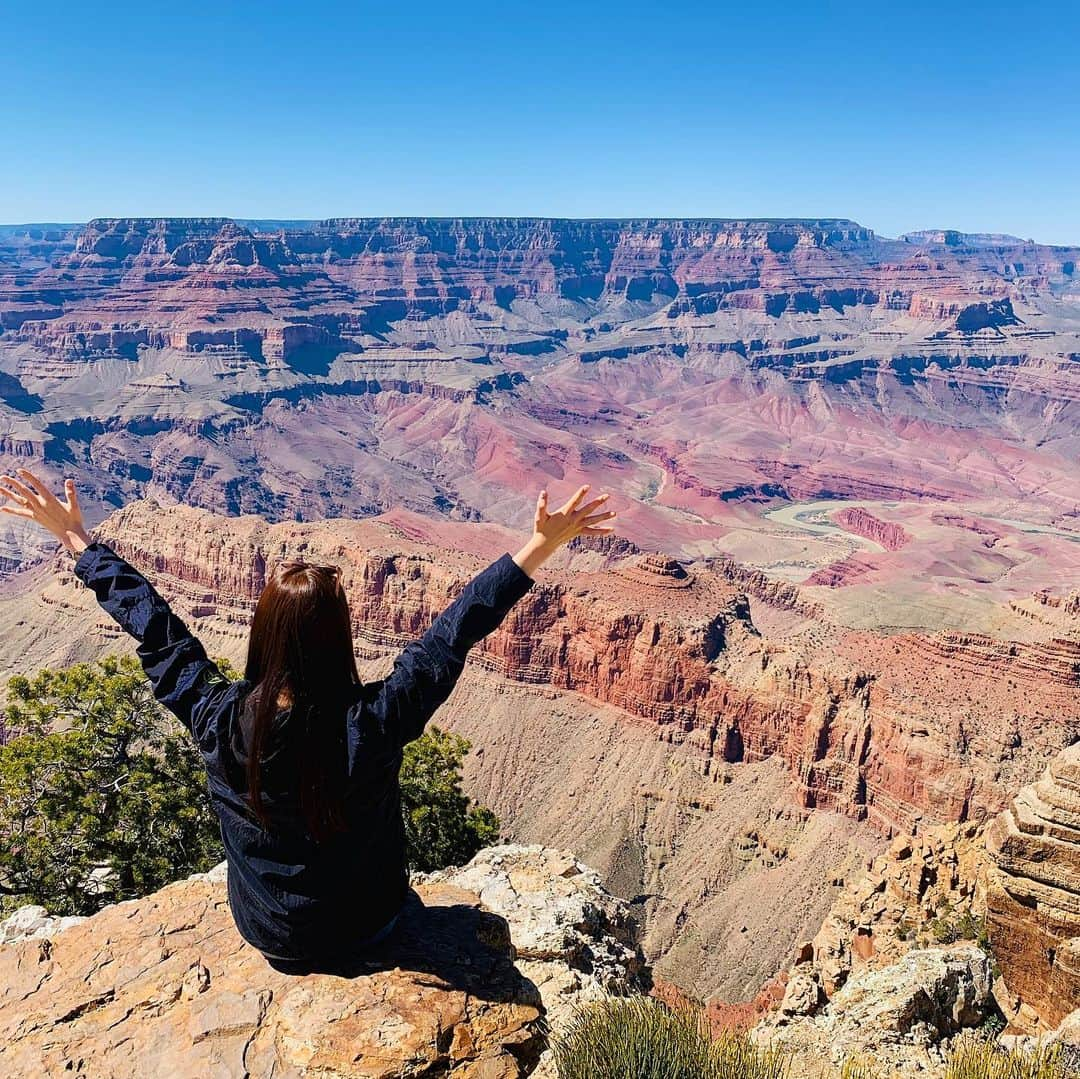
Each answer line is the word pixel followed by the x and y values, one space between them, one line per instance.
pixel 300 657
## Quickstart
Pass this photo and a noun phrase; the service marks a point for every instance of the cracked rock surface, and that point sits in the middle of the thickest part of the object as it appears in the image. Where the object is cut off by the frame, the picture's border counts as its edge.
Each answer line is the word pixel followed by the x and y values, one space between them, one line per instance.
pixel 903 1016
pixel 572 939
pixel 164 985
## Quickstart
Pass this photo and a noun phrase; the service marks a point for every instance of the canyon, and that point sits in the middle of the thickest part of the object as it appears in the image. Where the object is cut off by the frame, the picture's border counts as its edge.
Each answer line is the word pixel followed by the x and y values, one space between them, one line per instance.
pixel 844 599
pixel 635 708
pixel 706 371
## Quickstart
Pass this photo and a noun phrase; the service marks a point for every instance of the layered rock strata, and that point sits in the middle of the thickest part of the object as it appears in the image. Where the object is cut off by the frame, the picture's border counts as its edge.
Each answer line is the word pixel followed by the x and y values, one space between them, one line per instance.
pixel 887 534
pixel 1033 900
pixel 631 708
pixel 327 368
pixel 671 644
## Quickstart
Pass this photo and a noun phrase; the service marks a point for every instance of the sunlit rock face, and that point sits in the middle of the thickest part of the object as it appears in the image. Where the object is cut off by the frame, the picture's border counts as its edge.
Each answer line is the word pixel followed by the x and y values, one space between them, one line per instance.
pixel 494 952
pixel 1034 898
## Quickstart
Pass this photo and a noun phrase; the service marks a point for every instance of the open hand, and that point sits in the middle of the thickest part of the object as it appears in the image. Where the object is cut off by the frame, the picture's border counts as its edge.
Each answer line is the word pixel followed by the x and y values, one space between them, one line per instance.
pixel 27 496
pixel 571 518
pixel 574 517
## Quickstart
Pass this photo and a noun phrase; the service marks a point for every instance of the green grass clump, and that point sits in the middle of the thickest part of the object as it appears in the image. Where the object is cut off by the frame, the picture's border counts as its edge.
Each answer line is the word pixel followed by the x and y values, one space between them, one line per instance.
pixel 641 1038
pixel 737 1057
pixel 977 1058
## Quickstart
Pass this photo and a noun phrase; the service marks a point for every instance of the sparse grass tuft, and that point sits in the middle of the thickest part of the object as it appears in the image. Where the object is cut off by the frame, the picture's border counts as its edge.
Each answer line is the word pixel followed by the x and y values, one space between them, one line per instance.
pixel 857 1069
pixel 979 1058
pixel 641 1038
pixel 737 1057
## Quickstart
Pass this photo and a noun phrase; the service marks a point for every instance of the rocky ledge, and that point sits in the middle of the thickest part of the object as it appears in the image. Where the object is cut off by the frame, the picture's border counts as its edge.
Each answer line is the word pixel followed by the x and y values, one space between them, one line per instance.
pixel 164 985
pixel 926 889
pixel 1033 895
pixel 904 1016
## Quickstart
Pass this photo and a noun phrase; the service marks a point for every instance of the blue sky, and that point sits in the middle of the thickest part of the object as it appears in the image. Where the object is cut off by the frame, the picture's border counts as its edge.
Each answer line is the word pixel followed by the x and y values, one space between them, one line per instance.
pixel 901 116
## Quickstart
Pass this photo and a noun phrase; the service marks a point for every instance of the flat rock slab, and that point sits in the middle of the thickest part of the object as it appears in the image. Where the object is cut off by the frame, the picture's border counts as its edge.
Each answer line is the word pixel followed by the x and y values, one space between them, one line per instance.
pixel 166 986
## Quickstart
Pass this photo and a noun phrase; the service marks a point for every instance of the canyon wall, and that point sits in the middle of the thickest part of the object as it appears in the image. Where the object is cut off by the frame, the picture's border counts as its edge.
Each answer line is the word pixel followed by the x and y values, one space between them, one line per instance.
pixel 452 363
pixel 675 648
pixel 1033 904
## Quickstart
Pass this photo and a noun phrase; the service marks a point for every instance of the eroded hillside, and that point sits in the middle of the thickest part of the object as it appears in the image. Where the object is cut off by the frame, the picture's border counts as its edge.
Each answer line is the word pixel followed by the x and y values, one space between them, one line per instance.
pixel 717 763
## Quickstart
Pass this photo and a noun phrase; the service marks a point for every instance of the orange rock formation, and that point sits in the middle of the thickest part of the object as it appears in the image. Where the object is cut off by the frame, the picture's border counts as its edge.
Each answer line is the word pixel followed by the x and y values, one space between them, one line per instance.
pixel 1033 901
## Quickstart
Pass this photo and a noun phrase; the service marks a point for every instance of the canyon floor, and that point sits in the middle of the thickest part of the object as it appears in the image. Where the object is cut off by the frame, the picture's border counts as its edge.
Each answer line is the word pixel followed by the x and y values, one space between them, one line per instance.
pixel 844 600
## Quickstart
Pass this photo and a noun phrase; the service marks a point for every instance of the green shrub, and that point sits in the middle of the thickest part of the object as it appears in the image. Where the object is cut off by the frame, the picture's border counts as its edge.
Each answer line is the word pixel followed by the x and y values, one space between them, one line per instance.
pixel 737 1057
pixel 103 794
pixel 967 926
pixel 442 826
pixel 641 1038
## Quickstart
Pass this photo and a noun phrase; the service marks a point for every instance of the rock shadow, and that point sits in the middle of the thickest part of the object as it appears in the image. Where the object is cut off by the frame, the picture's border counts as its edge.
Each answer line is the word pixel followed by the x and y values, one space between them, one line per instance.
pixel 459 945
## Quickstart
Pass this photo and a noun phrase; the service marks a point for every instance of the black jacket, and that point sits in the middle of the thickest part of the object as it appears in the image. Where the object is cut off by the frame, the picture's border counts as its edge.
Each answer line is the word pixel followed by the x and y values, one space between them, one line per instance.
pixel 291 897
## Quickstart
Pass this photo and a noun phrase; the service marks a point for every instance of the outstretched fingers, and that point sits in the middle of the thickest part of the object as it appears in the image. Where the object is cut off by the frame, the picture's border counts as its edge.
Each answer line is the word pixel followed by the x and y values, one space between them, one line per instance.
pixel 541 508
pixel 13 488
pixel 595 518
pixel 571 504
pixel 72 495
pixel 19 507
pixel 35 485
pixel 585 510
pixel 16 511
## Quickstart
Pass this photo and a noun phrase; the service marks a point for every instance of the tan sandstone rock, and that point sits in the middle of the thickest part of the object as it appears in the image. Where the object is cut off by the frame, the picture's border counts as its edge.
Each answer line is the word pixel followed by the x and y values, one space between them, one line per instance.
pixel 165 986
pixel 903 1016
pixel 927 889
pixel 1033 899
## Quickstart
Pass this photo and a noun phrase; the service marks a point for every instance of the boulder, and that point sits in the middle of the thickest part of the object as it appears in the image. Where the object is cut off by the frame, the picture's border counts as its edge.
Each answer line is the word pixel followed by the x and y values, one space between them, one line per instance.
pixel 902 1015
pixel 165 985
pixel 572 939
pixel 31 922
pixel 926 889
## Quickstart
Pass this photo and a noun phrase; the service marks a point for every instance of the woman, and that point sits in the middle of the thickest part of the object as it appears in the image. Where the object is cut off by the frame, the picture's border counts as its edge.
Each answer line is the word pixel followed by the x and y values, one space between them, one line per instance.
pixel 302 757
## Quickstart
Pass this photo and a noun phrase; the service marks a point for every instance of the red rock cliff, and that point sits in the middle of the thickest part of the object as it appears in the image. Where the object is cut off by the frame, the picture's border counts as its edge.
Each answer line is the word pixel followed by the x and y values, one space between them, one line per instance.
pixel 674 647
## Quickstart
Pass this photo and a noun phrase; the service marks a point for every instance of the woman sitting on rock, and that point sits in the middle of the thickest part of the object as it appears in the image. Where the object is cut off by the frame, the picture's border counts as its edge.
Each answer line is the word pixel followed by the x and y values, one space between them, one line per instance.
pixel 302 757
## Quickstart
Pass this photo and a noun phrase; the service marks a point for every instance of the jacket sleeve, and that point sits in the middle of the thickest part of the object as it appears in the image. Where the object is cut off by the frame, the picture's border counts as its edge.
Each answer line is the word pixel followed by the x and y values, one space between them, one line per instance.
pixel 183 679
pixel 428 669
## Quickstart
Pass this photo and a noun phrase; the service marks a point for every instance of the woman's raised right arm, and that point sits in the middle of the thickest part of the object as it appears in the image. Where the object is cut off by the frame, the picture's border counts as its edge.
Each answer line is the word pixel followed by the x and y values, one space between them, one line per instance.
pixel 181 675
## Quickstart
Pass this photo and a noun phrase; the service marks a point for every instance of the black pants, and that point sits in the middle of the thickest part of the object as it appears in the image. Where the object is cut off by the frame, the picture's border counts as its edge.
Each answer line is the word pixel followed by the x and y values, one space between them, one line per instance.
pixel 340 963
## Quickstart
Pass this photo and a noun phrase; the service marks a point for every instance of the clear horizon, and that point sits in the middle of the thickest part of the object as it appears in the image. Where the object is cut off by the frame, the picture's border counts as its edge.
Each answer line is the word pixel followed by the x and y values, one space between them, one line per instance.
pixel 962 116
pixel 520 217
